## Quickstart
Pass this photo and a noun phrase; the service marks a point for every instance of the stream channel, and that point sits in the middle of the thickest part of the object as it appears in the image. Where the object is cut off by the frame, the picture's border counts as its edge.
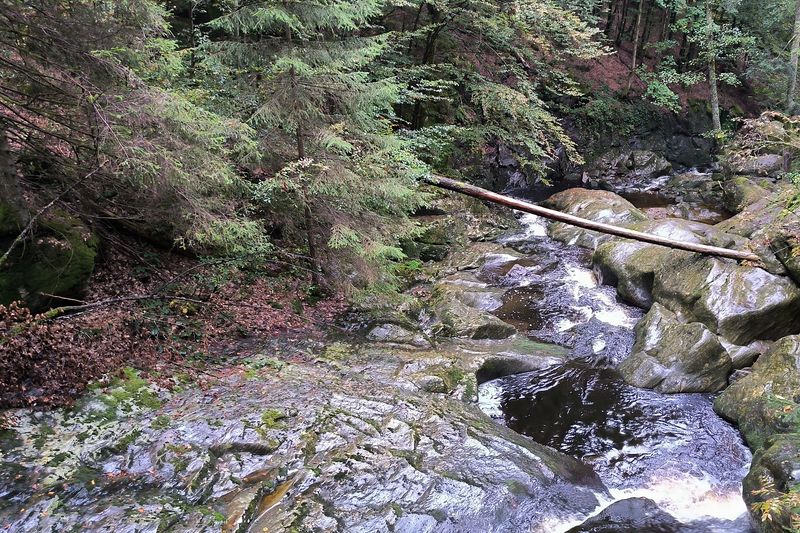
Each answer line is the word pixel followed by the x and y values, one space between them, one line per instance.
pixel 672 449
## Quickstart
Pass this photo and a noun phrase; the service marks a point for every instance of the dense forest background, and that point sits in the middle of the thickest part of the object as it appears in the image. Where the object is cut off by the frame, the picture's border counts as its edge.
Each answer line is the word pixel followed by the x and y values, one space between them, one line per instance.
pixel 289 137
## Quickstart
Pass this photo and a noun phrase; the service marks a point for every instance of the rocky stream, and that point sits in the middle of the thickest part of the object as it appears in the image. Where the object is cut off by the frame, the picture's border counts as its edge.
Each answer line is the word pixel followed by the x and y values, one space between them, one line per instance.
pixel 551 380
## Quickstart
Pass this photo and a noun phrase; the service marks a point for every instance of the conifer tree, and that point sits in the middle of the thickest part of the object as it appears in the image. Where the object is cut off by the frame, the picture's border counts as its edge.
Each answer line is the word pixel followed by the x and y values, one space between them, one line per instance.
pixel 480 69
pixel 303 67
pixel 793 60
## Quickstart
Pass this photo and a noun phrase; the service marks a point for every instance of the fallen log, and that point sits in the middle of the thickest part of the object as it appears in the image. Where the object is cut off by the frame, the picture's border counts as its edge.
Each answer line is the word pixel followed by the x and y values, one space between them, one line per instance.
pixel 519 205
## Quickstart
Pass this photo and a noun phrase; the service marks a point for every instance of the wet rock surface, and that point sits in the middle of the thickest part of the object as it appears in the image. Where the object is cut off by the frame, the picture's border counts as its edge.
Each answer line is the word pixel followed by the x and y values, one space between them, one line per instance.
pixel 381 433
pixel 712 302
pixel 632 514
pixel 619 167
pixel 461 309
pixel 632 266
pixel 599 206
pixel 345 443
pixel 671 356
pixel 640 442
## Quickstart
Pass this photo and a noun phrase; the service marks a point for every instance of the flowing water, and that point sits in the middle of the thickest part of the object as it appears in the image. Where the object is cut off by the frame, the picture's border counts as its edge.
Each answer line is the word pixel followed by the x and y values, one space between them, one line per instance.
pixel 672 449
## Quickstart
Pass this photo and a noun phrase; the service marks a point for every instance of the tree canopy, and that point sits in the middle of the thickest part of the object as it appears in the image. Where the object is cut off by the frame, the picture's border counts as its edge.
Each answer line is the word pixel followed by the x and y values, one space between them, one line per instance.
pixel 223 126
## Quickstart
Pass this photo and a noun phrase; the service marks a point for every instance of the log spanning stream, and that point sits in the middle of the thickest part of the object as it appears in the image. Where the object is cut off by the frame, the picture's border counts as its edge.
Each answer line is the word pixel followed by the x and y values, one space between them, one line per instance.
pixel 526 207
pixel 672 449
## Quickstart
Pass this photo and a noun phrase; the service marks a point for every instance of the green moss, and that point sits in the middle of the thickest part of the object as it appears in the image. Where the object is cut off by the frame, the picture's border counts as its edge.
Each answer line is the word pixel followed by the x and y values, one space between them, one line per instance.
pixel 160 422
pixel 127 440
pixel 88 476
pixel 470 388
pixel 10 224
pixel 124 395
pixel 271 418
pixel 45 432
pixel 517 488
pixel 338 351
pixel 454 375
pixel 59 261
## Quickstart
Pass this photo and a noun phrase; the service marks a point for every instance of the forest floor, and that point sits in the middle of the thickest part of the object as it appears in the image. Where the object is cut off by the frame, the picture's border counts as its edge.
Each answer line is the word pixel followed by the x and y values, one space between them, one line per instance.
pixel 191 315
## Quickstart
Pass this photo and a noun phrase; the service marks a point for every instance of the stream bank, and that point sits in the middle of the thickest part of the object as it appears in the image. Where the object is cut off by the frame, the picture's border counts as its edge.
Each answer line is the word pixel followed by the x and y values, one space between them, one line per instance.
pixel 417 421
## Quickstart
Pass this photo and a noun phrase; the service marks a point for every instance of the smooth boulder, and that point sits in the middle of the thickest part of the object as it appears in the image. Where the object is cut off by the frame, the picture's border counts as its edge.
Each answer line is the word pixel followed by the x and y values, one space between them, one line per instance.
pixel 632 265
pixel 56 263
pixel 598 206
pixel 460 309
pixel 631 514
pixel 766 407
pixel 671 356
pixel 763 403
pixel 740 303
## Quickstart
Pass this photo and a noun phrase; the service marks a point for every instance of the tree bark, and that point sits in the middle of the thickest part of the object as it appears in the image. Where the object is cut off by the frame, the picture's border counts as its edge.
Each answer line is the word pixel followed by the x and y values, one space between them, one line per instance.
pixel 622 23
pixel 712 69
pixel 792 93
pixel 308 219
pixel 10 190
pixel 483 194
pixel 647 30
pixel 635 46
pixel 610 19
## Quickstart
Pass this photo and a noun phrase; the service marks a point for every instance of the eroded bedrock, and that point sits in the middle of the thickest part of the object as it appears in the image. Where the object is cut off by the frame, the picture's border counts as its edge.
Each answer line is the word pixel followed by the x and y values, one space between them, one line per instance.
pixel 346 441
pixel 766 407
pixel 714 315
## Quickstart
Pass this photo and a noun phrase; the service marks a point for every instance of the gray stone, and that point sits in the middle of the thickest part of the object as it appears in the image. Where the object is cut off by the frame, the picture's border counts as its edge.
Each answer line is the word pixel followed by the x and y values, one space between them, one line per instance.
pixel 739 192
pixel 599 206
pixel 433 384
pixel 738 302
pixel 624 167
pixel 764 405
pixel 456 309
pixel 758 165
pixel 756 403
pixel 632 514
pixel 397 334
pixel 775 468
pixel 632 265
pixel 671 356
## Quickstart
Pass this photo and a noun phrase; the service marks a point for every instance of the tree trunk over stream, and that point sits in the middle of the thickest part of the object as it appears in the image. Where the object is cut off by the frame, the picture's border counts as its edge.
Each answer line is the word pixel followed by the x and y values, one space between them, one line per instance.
pixel 483 194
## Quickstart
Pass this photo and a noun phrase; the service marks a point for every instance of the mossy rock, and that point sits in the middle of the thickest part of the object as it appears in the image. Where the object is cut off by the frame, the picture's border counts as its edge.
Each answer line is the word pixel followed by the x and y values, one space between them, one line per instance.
pixel 632 266
pixel 784 241
pixel 740 192
pixel 599 206
pixel 439 234
pixel 10 223
pixel 765 405
pixel 740 303
pixel 58 261
pixel 453 305
pixel 766 402
pixel 774 473
pixel 672 357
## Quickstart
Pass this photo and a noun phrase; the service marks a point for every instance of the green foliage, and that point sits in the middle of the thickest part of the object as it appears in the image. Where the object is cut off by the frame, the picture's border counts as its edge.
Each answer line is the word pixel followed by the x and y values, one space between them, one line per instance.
pixel 490 91
pixel 117 111
pixel 778 506
pixel 604 113
pixel 309 86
